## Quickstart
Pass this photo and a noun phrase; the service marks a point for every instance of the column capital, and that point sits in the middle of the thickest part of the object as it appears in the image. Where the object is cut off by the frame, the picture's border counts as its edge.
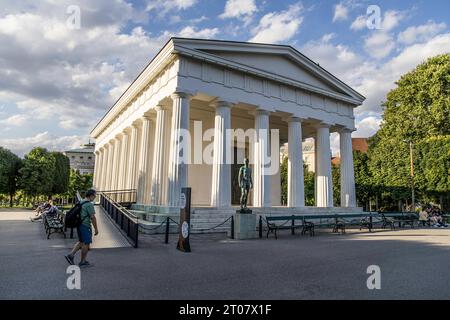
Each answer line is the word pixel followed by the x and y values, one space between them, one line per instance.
pixel 324 124
pixel 346 130
pixel 262 112
pixel 160 107
pixel 181 94
pixel 294 119
pixel 221 103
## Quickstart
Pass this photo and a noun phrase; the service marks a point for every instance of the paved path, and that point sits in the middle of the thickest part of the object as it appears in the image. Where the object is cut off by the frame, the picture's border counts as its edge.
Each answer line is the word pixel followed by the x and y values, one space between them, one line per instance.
pixel 414 265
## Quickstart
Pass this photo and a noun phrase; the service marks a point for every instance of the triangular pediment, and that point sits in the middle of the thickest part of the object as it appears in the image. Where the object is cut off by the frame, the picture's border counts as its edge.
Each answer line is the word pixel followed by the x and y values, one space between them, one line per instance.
pixel 276 64
pixel 278 60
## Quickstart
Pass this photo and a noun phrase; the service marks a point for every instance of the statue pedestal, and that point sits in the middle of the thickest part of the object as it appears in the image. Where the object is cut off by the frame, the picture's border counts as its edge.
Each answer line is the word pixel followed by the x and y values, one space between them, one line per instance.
pixel 245 226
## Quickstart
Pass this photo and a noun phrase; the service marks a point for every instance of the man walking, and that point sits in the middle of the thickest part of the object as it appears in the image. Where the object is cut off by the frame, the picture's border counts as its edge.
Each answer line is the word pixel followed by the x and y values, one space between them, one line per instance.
pixel 84 230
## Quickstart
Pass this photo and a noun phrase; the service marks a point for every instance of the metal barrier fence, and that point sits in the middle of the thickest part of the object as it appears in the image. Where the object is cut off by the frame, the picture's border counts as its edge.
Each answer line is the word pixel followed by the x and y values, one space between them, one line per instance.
pixel 125 220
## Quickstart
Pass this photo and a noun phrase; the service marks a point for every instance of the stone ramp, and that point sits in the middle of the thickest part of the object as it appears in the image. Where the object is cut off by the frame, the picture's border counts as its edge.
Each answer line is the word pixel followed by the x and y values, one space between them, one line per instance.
pixel 109 235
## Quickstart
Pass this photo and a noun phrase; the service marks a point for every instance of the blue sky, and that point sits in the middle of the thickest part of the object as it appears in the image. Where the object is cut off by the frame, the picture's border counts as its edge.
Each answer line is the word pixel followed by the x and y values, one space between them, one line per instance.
pixel 57 82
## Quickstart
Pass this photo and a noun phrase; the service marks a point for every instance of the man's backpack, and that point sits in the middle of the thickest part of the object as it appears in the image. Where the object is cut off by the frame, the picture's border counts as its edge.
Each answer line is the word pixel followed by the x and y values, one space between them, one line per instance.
pixel 73 216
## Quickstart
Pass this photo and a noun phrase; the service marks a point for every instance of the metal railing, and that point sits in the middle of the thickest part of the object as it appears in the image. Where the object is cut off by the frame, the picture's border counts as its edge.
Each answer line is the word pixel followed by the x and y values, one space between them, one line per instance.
pixel 127 222
pixel 124 197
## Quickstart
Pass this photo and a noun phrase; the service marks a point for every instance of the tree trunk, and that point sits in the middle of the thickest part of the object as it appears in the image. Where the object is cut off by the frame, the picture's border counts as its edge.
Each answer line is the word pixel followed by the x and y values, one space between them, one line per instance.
pixel 11 197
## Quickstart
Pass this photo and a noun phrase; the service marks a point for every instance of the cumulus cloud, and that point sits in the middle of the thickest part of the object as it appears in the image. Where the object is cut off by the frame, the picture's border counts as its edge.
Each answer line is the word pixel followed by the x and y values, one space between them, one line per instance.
pixel 238 9
pixel 163 7
pixel 340 12
pixel 15 120
pixel 21 146
pixel 421 33
pixel 276 27
pixel 51 71
pixel 379 44
pixel 359 23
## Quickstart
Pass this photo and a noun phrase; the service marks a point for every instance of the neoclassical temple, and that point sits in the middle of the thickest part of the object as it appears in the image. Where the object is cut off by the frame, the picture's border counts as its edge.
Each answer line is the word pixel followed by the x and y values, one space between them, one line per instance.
pixel 210 86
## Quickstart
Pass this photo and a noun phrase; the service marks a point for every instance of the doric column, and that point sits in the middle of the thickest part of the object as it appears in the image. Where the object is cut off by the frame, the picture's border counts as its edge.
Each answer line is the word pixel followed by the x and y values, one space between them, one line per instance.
pixel 143 192
pixel 324 186
pixel 116 162
pixel 100 172
pixel 261 188
pixel 179 147
pixel 123 169
pixel 296 190
pixel 159 157
pixel 132 159
pixel 348 193
pixel 96 168
pixel 221 174
pixel 108 177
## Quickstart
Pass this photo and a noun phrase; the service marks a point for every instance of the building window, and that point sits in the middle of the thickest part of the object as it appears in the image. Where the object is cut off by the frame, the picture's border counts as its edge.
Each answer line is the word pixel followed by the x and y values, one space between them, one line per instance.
pixel 73 157
pixel 81 157
pixel 90 158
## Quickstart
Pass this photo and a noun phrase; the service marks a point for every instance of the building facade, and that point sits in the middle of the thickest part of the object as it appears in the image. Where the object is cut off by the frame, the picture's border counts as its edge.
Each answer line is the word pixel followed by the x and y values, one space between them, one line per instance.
pixel 206 88
pixel 82 159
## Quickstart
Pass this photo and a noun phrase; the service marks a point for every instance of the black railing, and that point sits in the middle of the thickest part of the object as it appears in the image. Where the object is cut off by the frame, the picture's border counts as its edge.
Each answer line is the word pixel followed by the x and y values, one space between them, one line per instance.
pixel 127 222
pixel 124 197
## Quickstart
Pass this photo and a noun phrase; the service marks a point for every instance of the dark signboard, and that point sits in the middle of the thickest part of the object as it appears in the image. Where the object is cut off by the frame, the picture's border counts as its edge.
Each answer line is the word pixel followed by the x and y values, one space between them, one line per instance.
pixel 185 220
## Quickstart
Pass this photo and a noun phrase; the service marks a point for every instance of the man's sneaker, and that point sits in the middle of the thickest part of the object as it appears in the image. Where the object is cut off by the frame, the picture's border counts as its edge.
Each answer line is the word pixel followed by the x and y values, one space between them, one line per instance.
pixel 85 264
pixel 69 259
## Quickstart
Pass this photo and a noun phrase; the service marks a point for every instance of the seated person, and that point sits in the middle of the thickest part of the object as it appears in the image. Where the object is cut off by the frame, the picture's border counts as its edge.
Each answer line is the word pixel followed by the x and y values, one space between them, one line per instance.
pixel 423 217
pixel 44 209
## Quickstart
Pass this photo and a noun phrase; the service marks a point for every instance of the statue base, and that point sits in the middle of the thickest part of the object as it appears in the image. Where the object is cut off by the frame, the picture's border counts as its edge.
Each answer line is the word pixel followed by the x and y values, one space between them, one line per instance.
pixel 244 211
pixel 245 226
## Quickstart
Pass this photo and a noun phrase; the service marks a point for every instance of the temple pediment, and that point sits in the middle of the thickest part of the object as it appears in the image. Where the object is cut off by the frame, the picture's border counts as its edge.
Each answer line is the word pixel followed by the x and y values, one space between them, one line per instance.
pixel 274 60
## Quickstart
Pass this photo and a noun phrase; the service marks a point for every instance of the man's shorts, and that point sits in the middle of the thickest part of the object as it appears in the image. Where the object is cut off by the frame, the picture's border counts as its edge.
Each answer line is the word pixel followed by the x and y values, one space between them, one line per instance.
pixel 84 234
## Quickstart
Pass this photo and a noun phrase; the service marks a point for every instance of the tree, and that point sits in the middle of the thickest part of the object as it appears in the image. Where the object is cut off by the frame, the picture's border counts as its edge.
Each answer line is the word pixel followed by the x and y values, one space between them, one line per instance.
pixel 416 110
pixel 79 182
pixel 9 172
pixel 309 183
pixel 336 180
pixel 61 173
pixel 365 190
pixel 37 173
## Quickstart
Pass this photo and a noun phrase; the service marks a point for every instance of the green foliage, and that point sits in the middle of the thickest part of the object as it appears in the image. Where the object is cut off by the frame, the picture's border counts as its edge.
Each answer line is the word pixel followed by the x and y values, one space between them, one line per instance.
pixel 9 170
pixel 79 182
pixel 37 172
pixel 309 183
pixel 417 110
pixel 284 180
pixel 336 180
pixel 61 173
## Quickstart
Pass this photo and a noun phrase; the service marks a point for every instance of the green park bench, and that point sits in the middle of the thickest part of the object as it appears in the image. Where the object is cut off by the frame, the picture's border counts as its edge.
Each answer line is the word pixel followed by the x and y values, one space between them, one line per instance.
pixel 273 227
pixel 402 218
pixel 54 223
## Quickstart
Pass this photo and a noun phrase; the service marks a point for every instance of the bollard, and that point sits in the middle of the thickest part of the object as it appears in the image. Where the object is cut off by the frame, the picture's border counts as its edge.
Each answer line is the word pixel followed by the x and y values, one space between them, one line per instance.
pixel 292 225
pixel 167 230
pixel 260 226
pixel 232 227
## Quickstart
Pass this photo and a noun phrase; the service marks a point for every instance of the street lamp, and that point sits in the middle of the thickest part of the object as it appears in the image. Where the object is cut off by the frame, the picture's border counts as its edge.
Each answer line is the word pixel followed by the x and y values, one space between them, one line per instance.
pixel 411 174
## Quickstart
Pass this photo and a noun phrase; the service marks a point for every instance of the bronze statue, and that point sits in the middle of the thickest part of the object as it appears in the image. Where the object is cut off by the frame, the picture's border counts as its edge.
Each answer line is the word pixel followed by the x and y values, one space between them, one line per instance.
pixel 245 182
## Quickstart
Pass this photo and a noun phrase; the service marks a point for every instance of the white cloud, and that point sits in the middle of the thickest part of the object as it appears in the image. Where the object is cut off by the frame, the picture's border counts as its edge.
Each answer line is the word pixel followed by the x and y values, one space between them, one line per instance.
pixel 163 7
pixel 206 33
pixel 15 120
pixel 367 127
pixel 21 146
pixel 391 19
pixel 421 33
pixel 276 27
pixel 52 72
pixel 379 44
pixel 238 8
pixel 359 23
pixel 340 12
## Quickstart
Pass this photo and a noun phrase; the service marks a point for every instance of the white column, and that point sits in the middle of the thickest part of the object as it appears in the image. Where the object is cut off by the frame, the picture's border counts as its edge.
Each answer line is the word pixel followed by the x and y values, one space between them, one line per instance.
pixel 296 190
pixel 100 172
pixel 221 175
pixel 144 163
pixel 115 167
pixel 96 168
pixel 159 157
pixel 179 147
pixel 104 167
pixel 348 193
pixel 123 167
pixel 261 191
pixel 324 186
pixel 108 184
pixel 132 159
